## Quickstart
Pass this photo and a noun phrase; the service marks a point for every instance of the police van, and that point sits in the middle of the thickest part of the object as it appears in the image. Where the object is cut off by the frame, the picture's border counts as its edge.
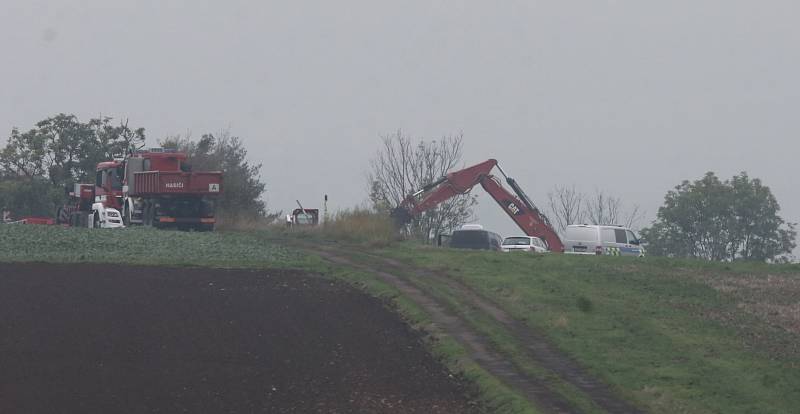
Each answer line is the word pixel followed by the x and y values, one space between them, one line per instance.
pixel 595 239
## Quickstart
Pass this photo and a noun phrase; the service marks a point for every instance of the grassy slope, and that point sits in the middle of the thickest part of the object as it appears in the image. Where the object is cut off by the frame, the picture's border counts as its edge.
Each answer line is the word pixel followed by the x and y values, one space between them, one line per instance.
pixel 656 329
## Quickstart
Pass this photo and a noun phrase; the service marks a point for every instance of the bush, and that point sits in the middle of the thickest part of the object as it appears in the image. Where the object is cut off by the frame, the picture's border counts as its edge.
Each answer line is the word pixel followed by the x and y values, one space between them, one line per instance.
pixel 30 197
pixel 584 304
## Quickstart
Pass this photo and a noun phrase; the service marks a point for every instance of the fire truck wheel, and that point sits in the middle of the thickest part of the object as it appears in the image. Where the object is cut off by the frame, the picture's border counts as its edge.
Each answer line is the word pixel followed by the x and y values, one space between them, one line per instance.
pixel 62 217
pixel 146 214
pixel 149 214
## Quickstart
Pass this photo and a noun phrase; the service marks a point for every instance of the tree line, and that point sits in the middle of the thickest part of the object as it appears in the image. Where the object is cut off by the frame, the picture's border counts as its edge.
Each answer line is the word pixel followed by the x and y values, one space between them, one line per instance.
pixel 38 166
pixel 734 219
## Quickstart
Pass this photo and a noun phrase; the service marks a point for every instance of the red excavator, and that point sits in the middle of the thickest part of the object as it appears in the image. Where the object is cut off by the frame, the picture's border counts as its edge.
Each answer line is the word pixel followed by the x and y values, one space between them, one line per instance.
pixel 519 207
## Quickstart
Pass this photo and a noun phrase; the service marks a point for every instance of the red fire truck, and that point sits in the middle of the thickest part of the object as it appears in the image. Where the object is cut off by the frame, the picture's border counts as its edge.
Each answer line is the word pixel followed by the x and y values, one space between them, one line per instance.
pixel 153 187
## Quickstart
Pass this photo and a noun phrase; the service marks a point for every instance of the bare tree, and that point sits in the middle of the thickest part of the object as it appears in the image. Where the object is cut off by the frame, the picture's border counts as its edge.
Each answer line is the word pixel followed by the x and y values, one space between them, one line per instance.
pixel 633 216
pixel 403 165
pixel 570 206
pixel 566 205
pixel 604 208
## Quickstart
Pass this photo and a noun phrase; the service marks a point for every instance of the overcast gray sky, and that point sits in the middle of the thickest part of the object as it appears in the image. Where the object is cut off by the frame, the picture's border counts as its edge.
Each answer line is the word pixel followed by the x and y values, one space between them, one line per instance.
pixel 630 97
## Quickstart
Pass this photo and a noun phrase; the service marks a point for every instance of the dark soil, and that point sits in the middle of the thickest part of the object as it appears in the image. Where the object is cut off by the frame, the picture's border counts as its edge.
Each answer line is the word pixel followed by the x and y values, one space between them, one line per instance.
pixel 116 339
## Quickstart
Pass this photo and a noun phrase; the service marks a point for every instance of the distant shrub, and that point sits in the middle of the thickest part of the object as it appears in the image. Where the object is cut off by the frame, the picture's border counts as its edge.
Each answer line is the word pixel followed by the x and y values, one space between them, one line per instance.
pixel 584 304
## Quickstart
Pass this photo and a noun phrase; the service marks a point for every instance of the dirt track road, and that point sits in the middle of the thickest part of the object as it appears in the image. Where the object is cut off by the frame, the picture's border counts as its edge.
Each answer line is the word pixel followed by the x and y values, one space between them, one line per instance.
pixel 539 350
pixel 83 339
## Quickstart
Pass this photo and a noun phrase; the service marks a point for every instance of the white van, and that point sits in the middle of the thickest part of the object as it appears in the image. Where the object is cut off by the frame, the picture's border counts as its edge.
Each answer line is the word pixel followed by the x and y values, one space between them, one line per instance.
pixel 602 240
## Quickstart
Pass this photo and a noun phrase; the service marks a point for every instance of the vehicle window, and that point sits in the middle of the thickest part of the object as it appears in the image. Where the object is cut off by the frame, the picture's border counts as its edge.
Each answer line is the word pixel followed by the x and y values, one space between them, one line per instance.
pixel 120 175
pixel 582 233
pixel 537 242
pixel 99 179
pixel 631 237
pixel 470 236
pixel 517 241
pixel 608 235
pixel 621 236
pixel 470 239
pixel 304 219
pixel 115 178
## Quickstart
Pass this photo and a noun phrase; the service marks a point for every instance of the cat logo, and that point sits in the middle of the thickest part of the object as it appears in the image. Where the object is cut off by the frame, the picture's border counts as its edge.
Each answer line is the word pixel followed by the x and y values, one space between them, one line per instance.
pixel 513 208
pixel 213 188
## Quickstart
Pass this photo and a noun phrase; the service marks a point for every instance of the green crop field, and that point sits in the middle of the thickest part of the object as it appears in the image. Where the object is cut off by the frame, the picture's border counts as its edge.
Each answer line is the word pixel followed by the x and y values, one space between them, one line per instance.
pixel 668 335
pixel 144 246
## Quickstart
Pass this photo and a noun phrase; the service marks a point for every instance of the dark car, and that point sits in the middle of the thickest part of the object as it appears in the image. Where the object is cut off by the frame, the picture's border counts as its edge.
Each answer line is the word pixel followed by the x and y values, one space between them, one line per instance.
pixel 477 239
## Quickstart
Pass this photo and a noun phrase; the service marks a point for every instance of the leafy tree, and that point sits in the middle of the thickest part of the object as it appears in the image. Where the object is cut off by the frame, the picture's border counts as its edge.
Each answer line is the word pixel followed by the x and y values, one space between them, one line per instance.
pixel 64 150
pixel 403 165
pixel 36 165
pixel 736 219
pixel 243 188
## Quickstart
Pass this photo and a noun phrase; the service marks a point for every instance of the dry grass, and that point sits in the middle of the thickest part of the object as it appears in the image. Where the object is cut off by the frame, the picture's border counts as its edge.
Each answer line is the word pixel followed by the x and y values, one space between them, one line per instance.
pixel 771 298
pixel 243 222
pixel 353 225
pixel 361 225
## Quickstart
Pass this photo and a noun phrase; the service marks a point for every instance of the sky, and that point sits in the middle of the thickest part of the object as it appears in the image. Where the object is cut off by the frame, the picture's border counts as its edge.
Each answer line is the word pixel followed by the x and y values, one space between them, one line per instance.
pixel 626 97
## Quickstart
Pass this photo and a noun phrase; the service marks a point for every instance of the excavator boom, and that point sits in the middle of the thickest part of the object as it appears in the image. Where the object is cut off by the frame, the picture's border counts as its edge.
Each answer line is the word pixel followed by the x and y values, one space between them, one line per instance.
pixel 519 207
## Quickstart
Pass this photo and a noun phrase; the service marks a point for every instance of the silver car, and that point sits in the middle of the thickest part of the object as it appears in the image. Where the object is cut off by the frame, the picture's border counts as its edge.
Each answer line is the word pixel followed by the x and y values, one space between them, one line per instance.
pixel 609 240
pixel 524 244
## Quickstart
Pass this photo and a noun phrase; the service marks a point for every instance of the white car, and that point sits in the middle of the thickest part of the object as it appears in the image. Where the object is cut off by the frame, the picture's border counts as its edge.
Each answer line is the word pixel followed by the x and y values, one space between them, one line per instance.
pixel 524 244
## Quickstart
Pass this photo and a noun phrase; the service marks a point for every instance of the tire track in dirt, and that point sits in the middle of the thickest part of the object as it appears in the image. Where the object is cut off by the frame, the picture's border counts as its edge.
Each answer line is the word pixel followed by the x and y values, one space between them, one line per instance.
pixel 537 346
pixel 478 349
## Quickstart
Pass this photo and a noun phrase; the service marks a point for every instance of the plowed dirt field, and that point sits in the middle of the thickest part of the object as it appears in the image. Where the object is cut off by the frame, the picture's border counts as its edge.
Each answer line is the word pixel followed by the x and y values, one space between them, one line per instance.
pixel 118 339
